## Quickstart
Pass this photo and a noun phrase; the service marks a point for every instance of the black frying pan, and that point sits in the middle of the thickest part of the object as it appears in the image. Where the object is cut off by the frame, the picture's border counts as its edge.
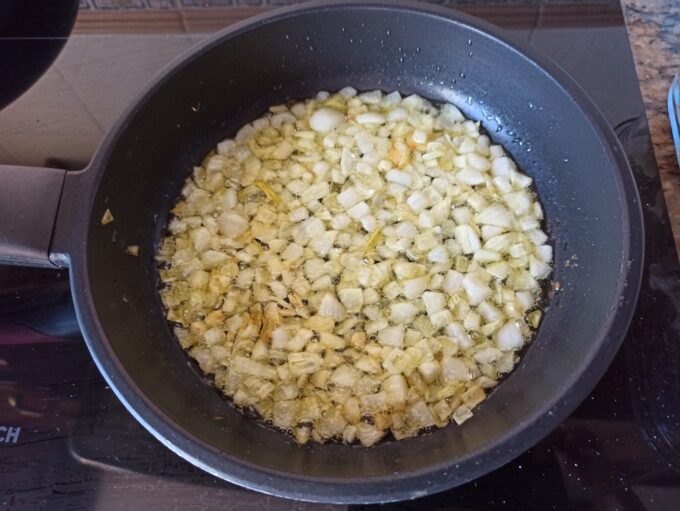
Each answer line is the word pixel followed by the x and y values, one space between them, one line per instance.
pixel 548 124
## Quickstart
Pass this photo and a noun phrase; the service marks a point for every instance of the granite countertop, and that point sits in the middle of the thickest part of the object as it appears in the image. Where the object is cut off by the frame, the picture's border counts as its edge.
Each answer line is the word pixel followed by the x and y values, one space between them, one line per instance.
pixel 654 30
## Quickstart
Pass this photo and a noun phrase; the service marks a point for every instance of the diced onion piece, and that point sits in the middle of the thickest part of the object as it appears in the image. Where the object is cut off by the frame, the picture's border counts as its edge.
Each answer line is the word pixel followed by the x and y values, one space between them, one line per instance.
pixel 292 252
pixel 489 312
pixel 392 336
pixel 323 243
pixel 499 270
pixel 458 333
pixel 304 363
pixel 406 230
pixel 231 224
pixel 398 114
pixel 413 288
pixel 470 176
pixel 370 118
pixel 478 162
pixel 396 390
pixel 368 364
pixel 525 299
pixel 461 414
pixel 107 217
pixel 213 258
pixel 449 115
pixel 537 236
pixel 402 312
pixel 418 201
pixel 519 202
pixel 509 337
pixel 349 197
pixel 434 302
pixel 500 243
pixel 544 253
pixel 325 120
pixel 429 370
pixel 369 224
pixel 420 414
pixel 534 318
pixel 352 299
pixel 404 270
pixel 467 237
pixel 462 215
pixel 399 177
pixel 495 214
pixel 367 434
pixel 538 268
pixel 308 230
pixel 330 307
pixel 314 192
pixel 340 221
pixel 440 319
pixel 345 376
pixel 502 166
pixel 200 238
pixel 250 367
pixel 490 231
pixel 476 289
pixel 438 254
pixel 299 214
pixel 359 210
pixel 454 369
pixel 485 256
pixel 453 281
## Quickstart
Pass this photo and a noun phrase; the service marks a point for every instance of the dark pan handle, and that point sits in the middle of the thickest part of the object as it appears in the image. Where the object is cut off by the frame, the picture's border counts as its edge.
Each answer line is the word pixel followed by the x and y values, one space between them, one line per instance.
pixel 29 201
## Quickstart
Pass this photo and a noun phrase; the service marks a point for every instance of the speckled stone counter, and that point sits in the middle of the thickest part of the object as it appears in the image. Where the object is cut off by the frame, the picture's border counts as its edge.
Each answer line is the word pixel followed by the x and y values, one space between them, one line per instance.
pixel 654 30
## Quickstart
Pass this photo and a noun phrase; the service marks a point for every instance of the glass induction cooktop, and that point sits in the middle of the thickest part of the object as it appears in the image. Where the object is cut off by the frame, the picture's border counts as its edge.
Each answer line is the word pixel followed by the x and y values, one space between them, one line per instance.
pixel 66 443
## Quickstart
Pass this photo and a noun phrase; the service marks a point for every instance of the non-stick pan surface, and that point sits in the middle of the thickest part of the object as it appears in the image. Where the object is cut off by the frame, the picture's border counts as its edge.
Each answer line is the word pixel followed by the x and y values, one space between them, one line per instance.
pixel 525 102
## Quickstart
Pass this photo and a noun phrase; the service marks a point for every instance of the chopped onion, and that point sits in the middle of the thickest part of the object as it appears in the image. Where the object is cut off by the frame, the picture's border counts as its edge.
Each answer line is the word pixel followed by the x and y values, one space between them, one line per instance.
pixel 348 197
pixel 325 119
pixel 392 336
pixel 359 210
pixel 466 236
pixel 413 288
pixel 434 302
pixel 352 299
pixel 452 282
pixel 330 307
pixel 509 337
pixel 232 224
pixel 370 118
pixel 470 176
pixel 355 264
pixel 495 214
pixel 398 177
pixel 417 201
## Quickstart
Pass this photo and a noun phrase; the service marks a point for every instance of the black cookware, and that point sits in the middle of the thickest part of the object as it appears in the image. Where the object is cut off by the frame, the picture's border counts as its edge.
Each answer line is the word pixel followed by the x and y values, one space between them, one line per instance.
pixel 53 218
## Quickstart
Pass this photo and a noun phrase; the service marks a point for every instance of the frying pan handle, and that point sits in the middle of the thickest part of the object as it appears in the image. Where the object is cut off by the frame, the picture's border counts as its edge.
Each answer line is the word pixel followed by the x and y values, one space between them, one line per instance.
pixel 29 200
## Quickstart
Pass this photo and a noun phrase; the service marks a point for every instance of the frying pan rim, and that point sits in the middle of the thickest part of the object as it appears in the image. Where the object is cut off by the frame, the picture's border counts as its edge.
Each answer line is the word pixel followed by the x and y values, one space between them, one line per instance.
pixel 373 488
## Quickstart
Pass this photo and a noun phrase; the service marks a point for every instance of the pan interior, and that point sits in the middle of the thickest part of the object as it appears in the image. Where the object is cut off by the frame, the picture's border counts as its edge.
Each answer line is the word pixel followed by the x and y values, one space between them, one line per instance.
pixel 233 81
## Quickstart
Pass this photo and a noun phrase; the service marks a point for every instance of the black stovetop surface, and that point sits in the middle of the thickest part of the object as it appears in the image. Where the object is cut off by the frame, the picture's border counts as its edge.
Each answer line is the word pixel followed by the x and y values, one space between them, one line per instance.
pixel 66 443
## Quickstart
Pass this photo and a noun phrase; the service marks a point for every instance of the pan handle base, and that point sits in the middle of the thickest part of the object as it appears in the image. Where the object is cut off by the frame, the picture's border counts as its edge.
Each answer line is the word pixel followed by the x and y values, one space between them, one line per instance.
pixel 29 201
